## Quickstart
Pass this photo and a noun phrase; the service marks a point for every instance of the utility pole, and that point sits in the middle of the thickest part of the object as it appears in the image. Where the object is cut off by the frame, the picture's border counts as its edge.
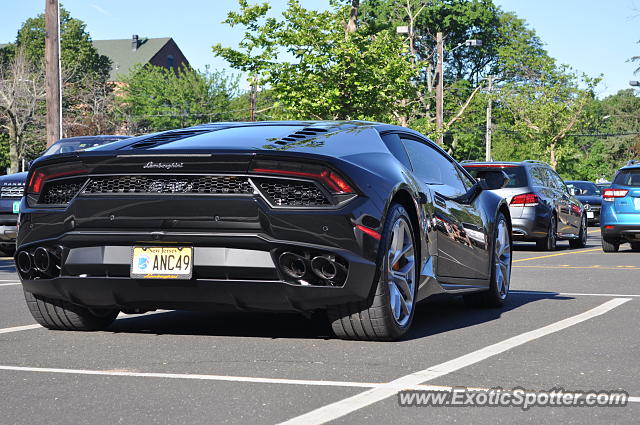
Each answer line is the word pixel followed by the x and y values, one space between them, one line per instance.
pixel 253 95
pixel 52 71
pixel 439 88
pixel 487 155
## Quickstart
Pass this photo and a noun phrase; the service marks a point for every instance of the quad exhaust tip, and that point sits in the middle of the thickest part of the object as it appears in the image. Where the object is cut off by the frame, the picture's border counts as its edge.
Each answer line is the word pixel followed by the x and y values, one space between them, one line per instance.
pixel 320 270
pixel 293 265
pixel 24 262
pixel 42 259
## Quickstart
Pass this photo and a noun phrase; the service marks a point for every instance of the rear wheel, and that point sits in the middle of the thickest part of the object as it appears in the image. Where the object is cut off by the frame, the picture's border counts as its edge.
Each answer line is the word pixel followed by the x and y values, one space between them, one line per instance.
pixel 635 246
pixel 388 314
pixel 61 315
pixel 609 245
pixel 500 272
pixel 581 242
pixel 549 243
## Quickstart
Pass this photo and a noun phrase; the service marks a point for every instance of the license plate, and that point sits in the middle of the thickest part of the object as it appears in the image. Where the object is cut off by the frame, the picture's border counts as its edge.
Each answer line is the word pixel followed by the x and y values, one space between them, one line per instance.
pixel 590 214
pixel 16 207
pixel 636 203
pixel 149 262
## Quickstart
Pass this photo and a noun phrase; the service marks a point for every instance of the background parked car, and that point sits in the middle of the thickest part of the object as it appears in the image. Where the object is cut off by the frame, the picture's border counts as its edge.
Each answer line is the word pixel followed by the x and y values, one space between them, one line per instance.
pixel 590 195
pixel 620 215
pixel 542 209
pixel 12 185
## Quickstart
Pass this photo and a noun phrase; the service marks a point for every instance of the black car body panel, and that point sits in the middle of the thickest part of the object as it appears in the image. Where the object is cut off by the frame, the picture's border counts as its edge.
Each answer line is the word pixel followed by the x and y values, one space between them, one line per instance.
pixel 12 185
pixel 213 188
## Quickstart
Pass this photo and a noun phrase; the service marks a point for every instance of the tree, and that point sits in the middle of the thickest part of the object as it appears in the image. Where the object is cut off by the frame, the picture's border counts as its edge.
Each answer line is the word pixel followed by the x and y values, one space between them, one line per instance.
pixel 547 108
pixel 77 54
pixel 155 98
pixel 335 73
pixel 22 91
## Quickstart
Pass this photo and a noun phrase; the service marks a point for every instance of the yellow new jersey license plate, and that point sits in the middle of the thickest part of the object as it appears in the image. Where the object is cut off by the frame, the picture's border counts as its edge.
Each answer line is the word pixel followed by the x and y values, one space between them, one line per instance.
pixel 150 262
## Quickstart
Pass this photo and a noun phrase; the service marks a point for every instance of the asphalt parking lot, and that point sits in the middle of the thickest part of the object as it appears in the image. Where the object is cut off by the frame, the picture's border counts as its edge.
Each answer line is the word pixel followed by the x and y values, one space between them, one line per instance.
pixel 571 322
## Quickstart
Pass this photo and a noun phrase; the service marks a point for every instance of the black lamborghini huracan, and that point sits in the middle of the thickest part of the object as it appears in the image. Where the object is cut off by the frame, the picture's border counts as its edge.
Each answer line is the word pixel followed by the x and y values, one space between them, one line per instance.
pixel 358 219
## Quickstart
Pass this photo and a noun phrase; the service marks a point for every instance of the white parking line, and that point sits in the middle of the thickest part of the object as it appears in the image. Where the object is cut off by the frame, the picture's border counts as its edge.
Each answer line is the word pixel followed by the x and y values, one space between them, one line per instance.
pixel 574 294
pixel 19 328
pixel 247 379
pixel 10 284
pixel 344 407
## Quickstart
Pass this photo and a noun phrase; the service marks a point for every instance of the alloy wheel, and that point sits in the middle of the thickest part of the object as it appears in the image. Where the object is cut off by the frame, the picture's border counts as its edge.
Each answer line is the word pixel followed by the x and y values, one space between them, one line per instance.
pixel 401 272
pixel 502 259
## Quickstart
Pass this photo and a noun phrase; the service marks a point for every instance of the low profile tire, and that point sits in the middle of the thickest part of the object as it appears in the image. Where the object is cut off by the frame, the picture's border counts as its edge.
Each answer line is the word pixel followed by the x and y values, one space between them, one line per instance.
pixel 549 243
pixel 388 313
pixel 581 242
pixel 60 315
pixel 635 246
pixel 501 258
pixel 610 245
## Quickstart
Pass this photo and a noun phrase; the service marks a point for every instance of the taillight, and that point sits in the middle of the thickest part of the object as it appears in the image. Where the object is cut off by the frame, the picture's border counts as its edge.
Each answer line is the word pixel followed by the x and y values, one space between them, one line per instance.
pixel 40 176
pixel 610 194
pixel 525 200
pixel 331 180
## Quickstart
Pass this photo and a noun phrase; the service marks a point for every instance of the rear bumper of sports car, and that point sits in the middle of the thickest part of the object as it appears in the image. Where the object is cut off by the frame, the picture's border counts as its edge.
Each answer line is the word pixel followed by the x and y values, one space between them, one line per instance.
pixel 237 264
pixel 247 277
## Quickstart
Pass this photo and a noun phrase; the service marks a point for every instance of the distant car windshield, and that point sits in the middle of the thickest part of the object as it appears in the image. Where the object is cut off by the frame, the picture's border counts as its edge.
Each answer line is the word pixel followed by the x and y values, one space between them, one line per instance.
pixel 586 188
pixel 517 175
pixel 65 146
pixel 630 177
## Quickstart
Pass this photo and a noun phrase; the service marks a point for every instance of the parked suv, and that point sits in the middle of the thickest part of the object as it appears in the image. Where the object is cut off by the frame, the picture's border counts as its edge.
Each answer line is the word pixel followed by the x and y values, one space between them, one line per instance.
pixel 620 215
pixel 542 209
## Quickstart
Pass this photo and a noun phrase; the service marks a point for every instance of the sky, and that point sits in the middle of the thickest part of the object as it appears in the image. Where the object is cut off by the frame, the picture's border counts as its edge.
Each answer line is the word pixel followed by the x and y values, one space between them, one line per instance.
pixel 592 36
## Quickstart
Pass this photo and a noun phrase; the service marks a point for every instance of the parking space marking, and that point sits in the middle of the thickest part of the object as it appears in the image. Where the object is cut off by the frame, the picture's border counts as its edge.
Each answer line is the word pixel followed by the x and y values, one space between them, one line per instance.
pixel 594 267
pixel 19 328
pixel 573 294
pixel 348 405
pixel 247 379
pixel 10 284
pixel 594 231
pixel 558 254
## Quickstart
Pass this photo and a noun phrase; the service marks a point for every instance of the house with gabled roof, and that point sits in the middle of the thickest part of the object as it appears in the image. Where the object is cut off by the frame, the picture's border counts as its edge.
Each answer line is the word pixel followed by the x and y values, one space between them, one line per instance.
pixel 126 53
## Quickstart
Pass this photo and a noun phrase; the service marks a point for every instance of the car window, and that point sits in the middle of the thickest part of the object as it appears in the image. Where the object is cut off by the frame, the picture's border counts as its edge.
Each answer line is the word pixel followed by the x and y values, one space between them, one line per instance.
pixel 395 147
pixel 432 166
pixel 517 175
pixel 540 177
pixel 556 180
pixel 586 188
pixel 630 177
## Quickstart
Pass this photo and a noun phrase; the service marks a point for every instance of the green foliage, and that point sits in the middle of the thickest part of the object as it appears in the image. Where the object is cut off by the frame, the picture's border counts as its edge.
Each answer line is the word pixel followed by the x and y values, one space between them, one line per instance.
pixel 77 55
pixel 156 98
pixel 333 74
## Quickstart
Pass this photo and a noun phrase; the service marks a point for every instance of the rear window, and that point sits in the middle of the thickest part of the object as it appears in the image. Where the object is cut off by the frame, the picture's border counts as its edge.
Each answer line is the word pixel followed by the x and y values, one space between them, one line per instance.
pixel 629 177
pixel 517 175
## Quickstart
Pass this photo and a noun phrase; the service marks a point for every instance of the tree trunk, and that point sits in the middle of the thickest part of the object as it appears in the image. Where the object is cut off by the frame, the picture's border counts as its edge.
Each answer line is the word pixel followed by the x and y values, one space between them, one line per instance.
pixel 552 158
pixel 14 158
pixel 353 16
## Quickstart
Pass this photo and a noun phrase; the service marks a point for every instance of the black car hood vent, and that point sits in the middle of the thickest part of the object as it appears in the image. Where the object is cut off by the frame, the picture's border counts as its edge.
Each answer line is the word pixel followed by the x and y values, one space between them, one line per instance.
pixel 169 136
pixel 305 133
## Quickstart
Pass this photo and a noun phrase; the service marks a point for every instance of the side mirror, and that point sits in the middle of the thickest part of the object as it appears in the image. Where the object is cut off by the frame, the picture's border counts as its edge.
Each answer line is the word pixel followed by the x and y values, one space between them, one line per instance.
pixel 495 179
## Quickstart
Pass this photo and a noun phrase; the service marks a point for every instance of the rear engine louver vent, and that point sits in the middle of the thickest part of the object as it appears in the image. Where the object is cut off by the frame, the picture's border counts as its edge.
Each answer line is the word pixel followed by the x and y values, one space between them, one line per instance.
pixel 305 133
pixel 170 136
